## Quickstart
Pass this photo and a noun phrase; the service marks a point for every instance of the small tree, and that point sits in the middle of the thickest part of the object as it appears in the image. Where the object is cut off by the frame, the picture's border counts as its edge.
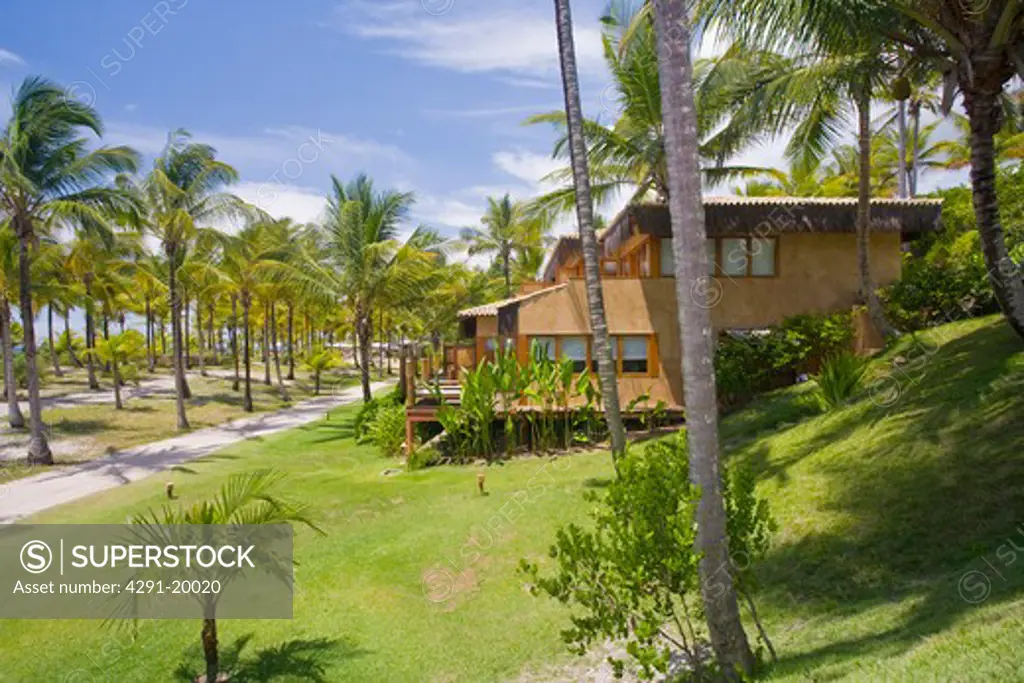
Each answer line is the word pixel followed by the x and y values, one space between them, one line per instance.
pixel 121 351
pixel 247 498
pixel 319 362
pixel 634 574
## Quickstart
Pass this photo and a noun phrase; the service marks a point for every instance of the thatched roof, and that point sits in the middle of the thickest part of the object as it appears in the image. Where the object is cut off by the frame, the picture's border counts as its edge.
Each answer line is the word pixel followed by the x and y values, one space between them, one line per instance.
pixel 563 249
pixel 492 308
pixel 765 216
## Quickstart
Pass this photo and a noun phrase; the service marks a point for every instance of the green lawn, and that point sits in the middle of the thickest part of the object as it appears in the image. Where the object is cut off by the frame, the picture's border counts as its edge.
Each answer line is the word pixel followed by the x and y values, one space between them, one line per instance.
pixel 882 511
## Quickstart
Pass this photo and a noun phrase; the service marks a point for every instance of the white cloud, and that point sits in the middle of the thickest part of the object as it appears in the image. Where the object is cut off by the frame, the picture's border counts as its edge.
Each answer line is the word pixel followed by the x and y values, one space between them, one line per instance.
pixel 505 38
pixel 9 58
pixel 301 204
pixel 528 166
pixel 485 112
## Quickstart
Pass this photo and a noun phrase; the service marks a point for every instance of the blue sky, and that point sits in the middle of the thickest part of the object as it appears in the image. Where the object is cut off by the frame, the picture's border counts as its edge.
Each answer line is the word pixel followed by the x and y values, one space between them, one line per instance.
pixel 425 95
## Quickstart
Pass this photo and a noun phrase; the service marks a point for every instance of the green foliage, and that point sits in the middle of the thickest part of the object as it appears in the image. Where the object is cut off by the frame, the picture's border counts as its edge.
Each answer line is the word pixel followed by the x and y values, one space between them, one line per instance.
pixel 752 363
pixel 840 378
pixel 367 415
pixel 633 574
pixel 21 369
pixel 422 458
pixel 387 431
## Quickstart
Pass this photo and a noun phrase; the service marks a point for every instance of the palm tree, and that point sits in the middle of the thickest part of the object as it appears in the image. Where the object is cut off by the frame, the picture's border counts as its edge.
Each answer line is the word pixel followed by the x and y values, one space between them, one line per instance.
pixel 585 219
pixel 184 191
pixel 363 254
pixel 509 229
pixel 629 156
pixel 121 351
pixel 318 362
pixel 247 498
pixel 728 638
pixel 9 293
pixel 975 46
pixel 47 175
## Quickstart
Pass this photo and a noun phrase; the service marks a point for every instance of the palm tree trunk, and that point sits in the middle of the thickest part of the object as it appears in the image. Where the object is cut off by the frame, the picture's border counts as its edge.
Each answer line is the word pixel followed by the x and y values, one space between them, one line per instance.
pixel 247 395
pixel 585 217
pixel 53 346
pixel 213 341
pixel 188 337
pixel 380 345
pixel 199 338
pixel 506 270
pixel 90 333
pixel 266 343
pixel 867 285
pixel 291 343
pixel 150 351
pixel 277 356
pixel 364 328
pixel 915 116
pixel 38 450
pixel 210 649
pixel 1003 274
pixel 163 337
pixel 176 351
pixel 117 385
pixel 67 333
pixel 234 339
pixel 901 120
pixel 728 638
pixel 14 416
pixel 106 336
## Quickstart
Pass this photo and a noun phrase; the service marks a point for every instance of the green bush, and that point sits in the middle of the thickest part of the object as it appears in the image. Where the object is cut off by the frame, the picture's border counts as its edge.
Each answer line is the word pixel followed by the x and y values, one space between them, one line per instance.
pixel 367 414
pixel 387 431
pixel 422 458
pixel 633 573
pixel 748 364
pixel 840 378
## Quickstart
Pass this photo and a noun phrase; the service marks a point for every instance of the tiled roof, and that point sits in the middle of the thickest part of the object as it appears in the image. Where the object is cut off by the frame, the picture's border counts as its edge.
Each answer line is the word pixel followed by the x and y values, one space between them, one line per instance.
pixel 492 308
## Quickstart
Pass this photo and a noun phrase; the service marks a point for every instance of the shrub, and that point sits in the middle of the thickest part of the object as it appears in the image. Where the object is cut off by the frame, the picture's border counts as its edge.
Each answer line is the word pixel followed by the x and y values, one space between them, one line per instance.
pixel 840 378
pixel 388 430
pixel 367 414
pixel 633 573
pixel 422 458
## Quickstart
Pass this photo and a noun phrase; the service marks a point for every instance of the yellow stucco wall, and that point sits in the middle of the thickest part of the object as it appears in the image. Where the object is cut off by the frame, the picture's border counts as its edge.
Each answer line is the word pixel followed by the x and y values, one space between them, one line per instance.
pixel 817 273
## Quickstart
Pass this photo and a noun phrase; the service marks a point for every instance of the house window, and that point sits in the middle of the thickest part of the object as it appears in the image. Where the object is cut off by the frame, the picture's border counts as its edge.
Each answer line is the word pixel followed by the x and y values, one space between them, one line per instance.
pixel 762 256
pixel 611 268
pixel 734 256
pixel 668 258
pixel 575 349
pixel 614 341
pixel 634 356
pixel 712 250
pixel 547 345
pixel 490 344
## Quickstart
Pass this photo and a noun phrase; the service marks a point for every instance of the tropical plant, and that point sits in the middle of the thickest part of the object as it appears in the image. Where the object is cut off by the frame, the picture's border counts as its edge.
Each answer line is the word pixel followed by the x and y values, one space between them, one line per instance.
pixel 632 572
pixel 721 607
pixel 249 499
pixel 840 378
pixel 8 293
pixel 318 362
pixel 579 163
pixel 509 231
pixel 183 194
pixel 122 351
pixel 387 431
pixel 49 175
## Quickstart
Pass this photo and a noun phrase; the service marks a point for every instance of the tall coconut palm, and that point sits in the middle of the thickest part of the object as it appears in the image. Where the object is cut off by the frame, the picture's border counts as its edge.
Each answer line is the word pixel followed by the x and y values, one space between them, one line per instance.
pixel 49 175
pixel 728 638
pixel 508 229
pixel 585 220
pixel 629 155
pixel 185 191
pixel 361 234
pixel 975 45
pixel 9 293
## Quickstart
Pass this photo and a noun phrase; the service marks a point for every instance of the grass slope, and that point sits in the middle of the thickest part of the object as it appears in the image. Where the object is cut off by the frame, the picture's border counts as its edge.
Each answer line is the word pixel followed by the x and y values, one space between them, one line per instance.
pixel 883 511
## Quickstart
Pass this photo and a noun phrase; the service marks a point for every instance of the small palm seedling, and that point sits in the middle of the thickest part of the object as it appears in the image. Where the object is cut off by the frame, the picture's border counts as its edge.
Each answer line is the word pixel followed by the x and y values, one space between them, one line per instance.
pixel 319 362
pixel 840 378
pixel 122 352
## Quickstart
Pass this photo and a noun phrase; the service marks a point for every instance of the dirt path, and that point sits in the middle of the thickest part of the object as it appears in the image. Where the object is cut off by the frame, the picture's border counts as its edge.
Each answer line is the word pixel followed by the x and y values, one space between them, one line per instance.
pixel 27 496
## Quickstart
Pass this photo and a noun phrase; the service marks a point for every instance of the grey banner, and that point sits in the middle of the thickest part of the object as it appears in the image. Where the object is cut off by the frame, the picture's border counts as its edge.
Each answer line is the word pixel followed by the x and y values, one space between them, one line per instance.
pixel 143 571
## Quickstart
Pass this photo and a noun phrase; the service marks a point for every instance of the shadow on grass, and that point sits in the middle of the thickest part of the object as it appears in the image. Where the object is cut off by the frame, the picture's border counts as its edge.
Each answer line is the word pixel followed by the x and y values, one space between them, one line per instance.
pixel 336 429
pixel 927 490
pixel 293 660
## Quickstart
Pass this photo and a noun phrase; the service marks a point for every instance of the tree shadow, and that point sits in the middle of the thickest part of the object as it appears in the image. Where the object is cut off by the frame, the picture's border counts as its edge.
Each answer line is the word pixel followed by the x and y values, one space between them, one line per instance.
pixel 332 430
pixel 293 660
pixel 926 492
